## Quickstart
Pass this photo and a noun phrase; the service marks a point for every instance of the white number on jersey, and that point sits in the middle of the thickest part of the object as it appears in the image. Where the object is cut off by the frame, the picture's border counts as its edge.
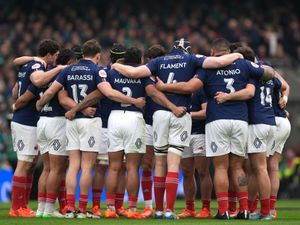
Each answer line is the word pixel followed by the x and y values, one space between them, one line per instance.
pixel 171 78
pixel 265 96
pixel 46 107
pixel 127 91
pixel 19 91
pixel 82 87
pixel 229 82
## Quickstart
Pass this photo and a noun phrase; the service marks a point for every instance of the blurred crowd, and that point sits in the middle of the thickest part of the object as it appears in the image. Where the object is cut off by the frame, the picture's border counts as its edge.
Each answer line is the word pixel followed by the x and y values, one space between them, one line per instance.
pixel 272 28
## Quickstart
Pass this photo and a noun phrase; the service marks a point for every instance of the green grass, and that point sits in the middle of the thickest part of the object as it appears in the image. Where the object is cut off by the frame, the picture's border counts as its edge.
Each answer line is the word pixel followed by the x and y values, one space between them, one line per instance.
pixel 288 213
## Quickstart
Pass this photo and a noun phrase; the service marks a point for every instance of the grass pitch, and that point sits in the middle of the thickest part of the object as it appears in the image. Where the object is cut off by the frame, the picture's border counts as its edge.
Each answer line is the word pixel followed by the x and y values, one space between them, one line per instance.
pixel 288 213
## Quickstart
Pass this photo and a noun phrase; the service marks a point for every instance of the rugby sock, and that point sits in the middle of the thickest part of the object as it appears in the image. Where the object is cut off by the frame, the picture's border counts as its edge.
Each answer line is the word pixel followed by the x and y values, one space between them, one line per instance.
pixel 253 204
pixel 232 200
pixel 71 202
pixel 28 189
pixel 243 200
pixel 83 201
pixel 147 188
pixel 41 202
pixel 119 200
pixel 190 204
pixel 273 200
pixel 62 195
pixel 132 202
pixel 18 192
pixel 171 189
pixel 222 198
pixel 206 204
pixel 265 206
pixel 97 197
pixel 50 201
pixel 110 201
pixel 159 192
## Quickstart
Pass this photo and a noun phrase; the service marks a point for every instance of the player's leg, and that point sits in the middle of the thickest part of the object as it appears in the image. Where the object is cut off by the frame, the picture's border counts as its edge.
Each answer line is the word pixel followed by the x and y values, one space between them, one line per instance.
pixel 88 160
pixel 252 188
pixel 146 183
pixel 42 184
pixel 120 191
pixel 189 184
pixel 202 167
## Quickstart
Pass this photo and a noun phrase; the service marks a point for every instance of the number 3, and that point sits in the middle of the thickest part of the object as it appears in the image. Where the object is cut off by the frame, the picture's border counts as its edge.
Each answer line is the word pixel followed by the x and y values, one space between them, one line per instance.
pixel 229 82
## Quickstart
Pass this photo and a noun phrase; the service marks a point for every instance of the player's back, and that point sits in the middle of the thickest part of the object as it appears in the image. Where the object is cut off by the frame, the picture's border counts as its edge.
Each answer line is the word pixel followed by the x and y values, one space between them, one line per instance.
pixel 27 115
pixel 260 106
pixel 81 79
pixel 198 98
pixel 131 87
pixel 228 79
pixel 276 95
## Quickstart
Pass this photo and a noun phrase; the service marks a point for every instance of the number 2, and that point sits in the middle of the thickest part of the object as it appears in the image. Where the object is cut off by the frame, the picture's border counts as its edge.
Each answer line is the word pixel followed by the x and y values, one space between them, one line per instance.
pixel 127 92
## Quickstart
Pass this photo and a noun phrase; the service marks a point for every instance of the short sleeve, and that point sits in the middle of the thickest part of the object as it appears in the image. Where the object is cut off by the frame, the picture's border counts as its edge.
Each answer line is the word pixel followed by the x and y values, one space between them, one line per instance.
pixel 61 77
pixel 37 66
pixel 33 89
pixel 253 81
pixel 200 74
pixel 153 65
pixel 101 76
pixel 198 60
pixel 149 81
pixel 255 70
pixel 202 96
pixel 277 83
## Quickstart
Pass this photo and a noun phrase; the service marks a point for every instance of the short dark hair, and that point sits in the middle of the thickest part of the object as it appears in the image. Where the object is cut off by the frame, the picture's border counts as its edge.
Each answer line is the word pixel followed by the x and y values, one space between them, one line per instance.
pixel 235 45
pixel 133 55
pixel 77 49
pixel 64 56
pixel 247 52
pixel 154 51
pixel 91 48
pixel 220 44
pixel 117 51
pixel 48 46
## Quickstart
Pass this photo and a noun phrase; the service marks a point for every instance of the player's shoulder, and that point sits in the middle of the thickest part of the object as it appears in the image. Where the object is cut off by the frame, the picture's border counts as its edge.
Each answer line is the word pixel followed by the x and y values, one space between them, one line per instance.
pixel 33 65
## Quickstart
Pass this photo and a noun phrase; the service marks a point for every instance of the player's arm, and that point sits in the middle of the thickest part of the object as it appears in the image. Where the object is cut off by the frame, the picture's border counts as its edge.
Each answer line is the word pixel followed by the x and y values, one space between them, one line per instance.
pixel 241 95
pixel 48 95
pixel 117 96
pixel 132 72
pixel 285 89
pixel 221 61
pixel 159 98
pixel 64 100
pixel 180 87
pixel 23 100
pixel 201 114
pixel 15 91
pixel 40 78
pixel 25 59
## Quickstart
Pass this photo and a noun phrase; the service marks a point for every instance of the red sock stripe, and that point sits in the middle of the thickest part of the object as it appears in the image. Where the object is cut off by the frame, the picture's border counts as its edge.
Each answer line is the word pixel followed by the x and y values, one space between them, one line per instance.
pixel 71 202
pixel 243 200
pixel 222 198
pixel 206 204
pixel 110 199
pixel 132 201
pixel 41 196
pixel 51 197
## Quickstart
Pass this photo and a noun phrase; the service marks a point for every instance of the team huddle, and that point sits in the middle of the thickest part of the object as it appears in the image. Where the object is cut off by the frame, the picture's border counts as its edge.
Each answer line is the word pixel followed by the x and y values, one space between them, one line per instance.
pixel 158 111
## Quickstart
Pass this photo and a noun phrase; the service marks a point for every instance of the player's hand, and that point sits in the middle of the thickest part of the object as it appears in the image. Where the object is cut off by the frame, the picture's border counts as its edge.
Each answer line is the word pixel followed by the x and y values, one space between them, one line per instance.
pixel 62 66
pixel 38 59
pixel 89 111
pixel 70 115
pixel 140 102
pixel 160 84
pixel 239 55
pixel 179 111
pixel 38 106
pixel 13 108
pixel 287 114
pixel 221 97
pixel 282 102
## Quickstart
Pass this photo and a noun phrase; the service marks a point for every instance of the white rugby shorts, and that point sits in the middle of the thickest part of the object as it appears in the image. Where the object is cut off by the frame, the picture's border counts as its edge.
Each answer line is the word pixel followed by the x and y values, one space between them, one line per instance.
pixel 196 148
pixel 24 140
pixel 84 134
pixel 281 133
pixel 126 131
pixel 226 136
pixel 51 135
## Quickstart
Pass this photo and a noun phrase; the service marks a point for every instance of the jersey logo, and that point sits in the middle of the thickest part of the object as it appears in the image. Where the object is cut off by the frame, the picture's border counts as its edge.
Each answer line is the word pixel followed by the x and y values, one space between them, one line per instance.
pixel 56 145
pixel 257 143
pixel 102 73
pixel 254 65
pixel 138 143
pixel 214 146
pixel 20 145
pixel 36 66
pixel 183 136
pixel 91 141
pixel 199 56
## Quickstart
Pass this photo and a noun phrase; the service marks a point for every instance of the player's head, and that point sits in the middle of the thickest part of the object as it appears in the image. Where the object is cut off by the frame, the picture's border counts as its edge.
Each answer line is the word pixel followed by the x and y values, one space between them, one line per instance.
pixel 220 47
pixel 235 45
pixel 48 49
pixel 184 45
pixel 117 52
pixel 66 57
pixel 77 49
pixel 92 49
pixel 247 52
pixel 133 55
pixel 153 52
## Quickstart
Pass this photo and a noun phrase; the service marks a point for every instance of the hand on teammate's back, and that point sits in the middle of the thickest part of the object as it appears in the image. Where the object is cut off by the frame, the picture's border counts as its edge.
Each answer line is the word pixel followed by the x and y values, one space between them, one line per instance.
pixel 221 97
pixel 89 112
pixel 70 115
pixel 38 106
pixel 140 102
pixel 159 84
pixel 179 111
pixel 282 103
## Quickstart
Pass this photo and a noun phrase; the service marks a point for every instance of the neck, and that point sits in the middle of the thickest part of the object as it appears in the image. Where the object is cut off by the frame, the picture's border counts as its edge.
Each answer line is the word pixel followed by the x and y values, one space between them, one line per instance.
pixel 91 59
